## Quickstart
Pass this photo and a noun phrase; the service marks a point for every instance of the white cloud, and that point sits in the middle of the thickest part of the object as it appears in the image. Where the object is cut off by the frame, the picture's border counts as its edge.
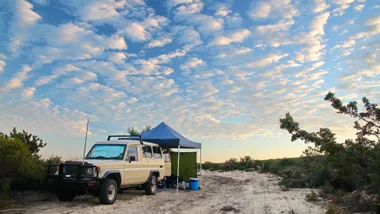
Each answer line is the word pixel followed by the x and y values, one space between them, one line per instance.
pixel 17 80
pixel 188 36
pixel 2 65
pixel 220 9
pixel 136 31
pixel 28 92
pixel 234 37
pixel 227 82
pixel 173 3
pixel 263 9
pixel 57 72
pixel 24 18
pixel 318 23
pixel 189 9
pixel 275 34
pixel 359 7
pixel 320 5
pixel 56 119
pixel 318 64
pixel 159 42
pixel 118 57
pixel 234 21
pixel 234 89
pixel 25 14
pixel 265 61
pixel 314 48
pixel 142 31
pixel 192 63
pixel 132 100
pixel 117 42
pixel 342 5
pixel 97 10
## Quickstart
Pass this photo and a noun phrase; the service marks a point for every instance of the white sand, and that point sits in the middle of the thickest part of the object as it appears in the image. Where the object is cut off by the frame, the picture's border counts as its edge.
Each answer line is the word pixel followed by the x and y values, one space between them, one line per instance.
pixel 222 192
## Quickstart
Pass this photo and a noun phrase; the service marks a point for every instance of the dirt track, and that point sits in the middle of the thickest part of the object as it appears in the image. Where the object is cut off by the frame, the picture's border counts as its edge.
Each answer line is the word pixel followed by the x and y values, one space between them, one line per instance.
pixel 227 192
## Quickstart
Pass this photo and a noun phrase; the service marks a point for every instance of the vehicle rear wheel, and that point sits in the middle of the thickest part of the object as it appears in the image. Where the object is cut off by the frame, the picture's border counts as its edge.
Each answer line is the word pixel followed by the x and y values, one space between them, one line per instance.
pixel 65 195
pixel 108 191
pixel 151 186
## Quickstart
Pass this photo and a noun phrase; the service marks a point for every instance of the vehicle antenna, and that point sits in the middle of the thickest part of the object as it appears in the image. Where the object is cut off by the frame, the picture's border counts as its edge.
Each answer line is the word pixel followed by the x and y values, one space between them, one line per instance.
pixel 85 141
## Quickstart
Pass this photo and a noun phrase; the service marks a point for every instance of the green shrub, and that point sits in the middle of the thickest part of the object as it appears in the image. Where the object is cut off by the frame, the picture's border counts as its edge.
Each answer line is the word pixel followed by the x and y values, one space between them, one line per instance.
pixel 331 210
pixel 312 197
pixel 17 164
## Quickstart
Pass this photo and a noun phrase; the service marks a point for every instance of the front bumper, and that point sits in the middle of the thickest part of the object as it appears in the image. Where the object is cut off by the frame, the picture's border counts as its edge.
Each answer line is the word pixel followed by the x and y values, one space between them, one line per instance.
pixel 73 181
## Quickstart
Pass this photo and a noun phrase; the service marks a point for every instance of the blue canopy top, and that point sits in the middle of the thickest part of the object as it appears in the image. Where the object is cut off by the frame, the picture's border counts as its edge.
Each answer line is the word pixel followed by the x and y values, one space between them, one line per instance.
pixel 165 136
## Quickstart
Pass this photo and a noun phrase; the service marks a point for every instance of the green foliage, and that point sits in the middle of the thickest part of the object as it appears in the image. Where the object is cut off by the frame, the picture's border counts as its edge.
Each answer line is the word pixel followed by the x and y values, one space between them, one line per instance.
pixel 134 132
pixel 53 160
pixel 350 165
pixel 312 197
pixel 146 129
pixel 33 142
pixel 17 163
pixel 246 163
pixel 331 210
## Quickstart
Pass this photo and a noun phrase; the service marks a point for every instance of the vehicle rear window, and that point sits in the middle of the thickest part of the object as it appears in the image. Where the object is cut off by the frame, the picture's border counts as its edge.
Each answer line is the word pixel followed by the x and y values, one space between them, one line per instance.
pixel 157 152
pixel 147 151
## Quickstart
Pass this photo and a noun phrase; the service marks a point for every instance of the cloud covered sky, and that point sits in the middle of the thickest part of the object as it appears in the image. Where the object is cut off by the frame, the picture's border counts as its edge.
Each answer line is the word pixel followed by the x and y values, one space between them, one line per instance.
pixel 220 72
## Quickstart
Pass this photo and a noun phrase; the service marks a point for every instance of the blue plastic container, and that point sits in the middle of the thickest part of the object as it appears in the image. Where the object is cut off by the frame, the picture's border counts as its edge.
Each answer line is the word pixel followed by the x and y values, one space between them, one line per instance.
pixel 193 184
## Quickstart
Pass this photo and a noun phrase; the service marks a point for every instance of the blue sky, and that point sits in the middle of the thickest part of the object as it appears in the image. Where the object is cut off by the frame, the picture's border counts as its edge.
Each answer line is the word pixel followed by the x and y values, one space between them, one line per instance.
pixel 220 72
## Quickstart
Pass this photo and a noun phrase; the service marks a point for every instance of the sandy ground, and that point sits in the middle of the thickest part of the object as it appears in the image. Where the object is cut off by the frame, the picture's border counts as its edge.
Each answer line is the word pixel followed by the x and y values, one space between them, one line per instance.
pixel 222 192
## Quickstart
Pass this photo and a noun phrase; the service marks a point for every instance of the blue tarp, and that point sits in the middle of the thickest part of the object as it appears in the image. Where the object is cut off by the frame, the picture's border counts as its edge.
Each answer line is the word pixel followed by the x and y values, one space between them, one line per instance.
pixel 165 136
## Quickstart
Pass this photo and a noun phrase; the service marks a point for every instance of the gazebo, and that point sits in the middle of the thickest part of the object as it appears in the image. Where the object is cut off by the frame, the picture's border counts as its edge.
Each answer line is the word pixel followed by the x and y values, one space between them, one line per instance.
pixel 166 136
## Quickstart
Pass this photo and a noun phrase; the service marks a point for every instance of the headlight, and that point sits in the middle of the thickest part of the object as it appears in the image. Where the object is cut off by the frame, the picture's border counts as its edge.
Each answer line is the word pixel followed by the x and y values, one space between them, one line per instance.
pixel 89 172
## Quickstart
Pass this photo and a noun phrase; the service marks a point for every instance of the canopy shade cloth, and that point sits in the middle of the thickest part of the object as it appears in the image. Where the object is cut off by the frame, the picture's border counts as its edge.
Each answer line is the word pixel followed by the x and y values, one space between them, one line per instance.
pixel 165 136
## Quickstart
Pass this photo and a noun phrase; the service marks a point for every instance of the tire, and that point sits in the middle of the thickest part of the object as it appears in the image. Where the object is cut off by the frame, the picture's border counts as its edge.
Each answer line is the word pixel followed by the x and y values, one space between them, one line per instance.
pixel 65 195
pixel 108 191
pixel 151 186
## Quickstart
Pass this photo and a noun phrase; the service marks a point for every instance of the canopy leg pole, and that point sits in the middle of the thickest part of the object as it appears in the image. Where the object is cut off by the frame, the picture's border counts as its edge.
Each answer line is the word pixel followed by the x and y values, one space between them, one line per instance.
pixel 200 167
pixel 200 156
pixel 179 147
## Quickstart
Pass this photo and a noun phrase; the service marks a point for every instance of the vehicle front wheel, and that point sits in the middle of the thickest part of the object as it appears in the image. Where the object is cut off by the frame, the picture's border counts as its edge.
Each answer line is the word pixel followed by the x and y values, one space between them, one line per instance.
pixel 151 186
pixel 108 191
pixel 65 195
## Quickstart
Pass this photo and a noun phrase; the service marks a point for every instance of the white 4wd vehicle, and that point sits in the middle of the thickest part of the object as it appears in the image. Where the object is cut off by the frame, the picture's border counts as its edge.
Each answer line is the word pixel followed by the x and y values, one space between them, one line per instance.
pixel 109 167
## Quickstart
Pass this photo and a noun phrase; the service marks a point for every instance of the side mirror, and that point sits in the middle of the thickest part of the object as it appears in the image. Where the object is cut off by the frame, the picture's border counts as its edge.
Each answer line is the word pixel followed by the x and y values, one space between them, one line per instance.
pixel 132 158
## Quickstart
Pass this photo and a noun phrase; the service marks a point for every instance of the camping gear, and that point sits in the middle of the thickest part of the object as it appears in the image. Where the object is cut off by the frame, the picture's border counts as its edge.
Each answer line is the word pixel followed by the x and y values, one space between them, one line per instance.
pixel 193 185
pixel 188 165
pixel 171 181
pixel 165 136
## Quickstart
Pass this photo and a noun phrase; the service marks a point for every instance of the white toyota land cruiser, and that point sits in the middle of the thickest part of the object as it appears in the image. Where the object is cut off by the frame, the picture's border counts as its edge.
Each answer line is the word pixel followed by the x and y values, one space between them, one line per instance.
pixel 109 167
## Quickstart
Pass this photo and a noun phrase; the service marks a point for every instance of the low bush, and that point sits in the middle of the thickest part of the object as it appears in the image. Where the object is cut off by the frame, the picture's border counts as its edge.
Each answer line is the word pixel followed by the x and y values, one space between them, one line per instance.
pixel 312 197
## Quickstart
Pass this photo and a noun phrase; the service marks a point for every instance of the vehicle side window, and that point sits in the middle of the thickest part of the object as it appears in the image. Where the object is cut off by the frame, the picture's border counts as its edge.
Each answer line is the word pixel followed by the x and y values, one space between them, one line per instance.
pixel 157 152
pixel 132 152
pixel 147 151
pixel 167 157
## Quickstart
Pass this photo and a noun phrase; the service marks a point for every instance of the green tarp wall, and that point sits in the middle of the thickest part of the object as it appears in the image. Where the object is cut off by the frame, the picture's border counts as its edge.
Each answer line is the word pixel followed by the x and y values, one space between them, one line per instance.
pixel 187 165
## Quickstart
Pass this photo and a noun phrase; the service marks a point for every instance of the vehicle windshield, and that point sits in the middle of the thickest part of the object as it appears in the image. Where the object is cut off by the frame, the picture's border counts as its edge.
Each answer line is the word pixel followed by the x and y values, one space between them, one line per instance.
pixel 107 151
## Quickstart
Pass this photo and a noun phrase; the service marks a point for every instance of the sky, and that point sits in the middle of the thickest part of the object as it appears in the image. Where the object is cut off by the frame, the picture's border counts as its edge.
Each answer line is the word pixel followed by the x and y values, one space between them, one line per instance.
pixel 220 72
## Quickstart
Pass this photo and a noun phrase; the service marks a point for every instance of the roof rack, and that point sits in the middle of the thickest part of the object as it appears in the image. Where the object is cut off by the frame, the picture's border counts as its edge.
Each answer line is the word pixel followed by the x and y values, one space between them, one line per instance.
pixel 110 136
pixel 122 137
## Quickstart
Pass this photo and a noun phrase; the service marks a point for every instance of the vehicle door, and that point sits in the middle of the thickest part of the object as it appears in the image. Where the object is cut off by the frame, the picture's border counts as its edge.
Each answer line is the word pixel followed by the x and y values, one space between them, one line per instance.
pixel 158 161
pixel 146 163
pixel 132 165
